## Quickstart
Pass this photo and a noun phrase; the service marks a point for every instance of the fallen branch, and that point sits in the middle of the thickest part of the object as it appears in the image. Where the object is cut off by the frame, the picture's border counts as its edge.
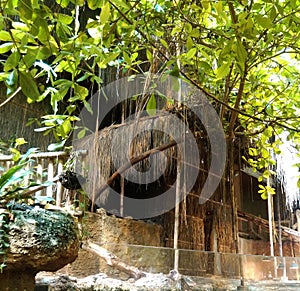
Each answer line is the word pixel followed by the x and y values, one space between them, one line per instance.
pixel 134 161
pixel 112 260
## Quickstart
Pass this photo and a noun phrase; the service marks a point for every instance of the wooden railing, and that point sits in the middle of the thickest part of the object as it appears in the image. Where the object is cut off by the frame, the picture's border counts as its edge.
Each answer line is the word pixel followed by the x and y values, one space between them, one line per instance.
pixel 262 226
pixel 46 166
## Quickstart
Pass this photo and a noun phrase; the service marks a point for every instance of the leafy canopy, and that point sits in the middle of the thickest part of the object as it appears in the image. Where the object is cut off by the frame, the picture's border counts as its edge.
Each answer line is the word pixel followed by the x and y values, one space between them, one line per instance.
pixel 244 54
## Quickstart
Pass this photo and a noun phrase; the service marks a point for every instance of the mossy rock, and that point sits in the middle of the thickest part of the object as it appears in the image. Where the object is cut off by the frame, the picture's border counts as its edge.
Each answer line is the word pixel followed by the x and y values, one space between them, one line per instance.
pixel 40 240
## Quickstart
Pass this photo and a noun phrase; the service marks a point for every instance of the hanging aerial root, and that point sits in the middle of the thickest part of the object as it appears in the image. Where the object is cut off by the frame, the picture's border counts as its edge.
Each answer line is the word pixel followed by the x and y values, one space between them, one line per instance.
pixel 113 260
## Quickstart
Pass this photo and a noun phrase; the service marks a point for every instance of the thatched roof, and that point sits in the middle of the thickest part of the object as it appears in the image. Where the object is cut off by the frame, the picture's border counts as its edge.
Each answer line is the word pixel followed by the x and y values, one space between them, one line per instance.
pixel 113 147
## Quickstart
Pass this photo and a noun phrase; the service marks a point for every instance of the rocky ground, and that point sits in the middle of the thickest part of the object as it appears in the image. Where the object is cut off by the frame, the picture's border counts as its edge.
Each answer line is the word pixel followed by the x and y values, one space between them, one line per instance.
pixel 156 282
pixel 153 282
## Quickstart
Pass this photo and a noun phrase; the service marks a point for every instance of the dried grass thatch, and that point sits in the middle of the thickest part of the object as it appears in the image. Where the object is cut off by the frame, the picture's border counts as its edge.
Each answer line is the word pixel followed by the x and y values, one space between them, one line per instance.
pixel 111 148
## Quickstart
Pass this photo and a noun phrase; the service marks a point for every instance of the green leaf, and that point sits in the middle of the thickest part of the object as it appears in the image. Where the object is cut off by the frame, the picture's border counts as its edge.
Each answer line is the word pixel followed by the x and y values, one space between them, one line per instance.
pixel 188 27
pixel 88 106
pixel 134 56
pixel 64 129
pixel 63 3
pixel 189 43
pixel 222 71
pixel 265 153
pixel 41 129
pixel 20 26
pixel 80 92
pixel 206 4
pixel 111 57
pixel 5 47
pixel 81 133
pixel 66 19
pixel 241 53
pixel 28 86
pixel 29 58
pixel 78 2
pixel 43 34
pixel 266 174
pixel 20 141
pixel 7 177
pixel 12 61
pixel 264 195
pixel 4 35
pixel 56 146
pixel 105 13
pixel 151 105
pixel 253 152
pixel 27 154
pixel 126 58
pixel 149 56
pixel 93 4
pixel 16 154
pixel 263 21
pixel 191 53
pixel 25 9
pixel 12 78
pixel 164 43
pixel 219 7
pixel 120 3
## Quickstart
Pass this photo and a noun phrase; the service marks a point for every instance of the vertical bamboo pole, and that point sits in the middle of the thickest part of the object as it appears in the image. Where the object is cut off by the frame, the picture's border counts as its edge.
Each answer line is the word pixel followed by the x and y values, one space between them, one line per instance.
pixel 270 216
pixel 50 175
pixel 271 219
pixel 234 212
pixel 233 197
pixel 280 241
pixel 122 181
pixel 59 186
pixel 176 218
pixel 39 171
pixel 178 187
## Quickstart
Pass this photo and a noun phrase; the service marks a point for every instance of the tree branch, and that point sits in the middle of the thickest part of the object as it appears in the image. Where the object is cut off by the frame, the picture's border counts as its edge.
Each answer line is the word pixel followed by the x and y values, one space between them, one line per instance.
pixel 10 97
pixel 194 82
pixel 134 161
pixel 112 260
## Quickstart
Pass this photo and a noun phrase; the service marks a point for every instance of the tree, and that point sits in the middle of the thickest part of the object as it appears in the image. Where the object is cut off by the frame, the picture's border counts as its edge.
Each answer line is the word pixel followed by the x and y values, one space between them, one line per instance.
pixel 243 54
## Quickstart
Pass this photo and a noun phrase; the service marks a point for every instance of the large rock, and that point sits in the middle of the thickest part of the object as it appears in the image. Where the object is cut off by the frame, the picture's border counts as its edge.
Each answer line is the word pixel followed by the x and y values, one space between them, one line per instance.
pixel 39 240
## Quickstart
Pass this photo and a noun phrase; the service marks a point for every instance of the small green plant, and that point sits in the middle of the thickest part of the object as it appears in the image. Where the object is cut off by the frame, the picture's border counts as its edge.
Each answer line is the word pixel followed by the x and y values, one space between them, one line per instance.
pixel 4 240
pixel 14 184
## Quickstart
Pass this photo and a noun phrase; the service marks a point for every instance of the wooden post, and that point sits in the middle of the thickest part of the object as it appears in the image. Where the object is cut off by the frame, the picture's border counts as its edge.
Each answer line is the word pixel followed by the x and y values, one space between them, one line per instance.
pixel 280 240
pixel 39 177
pixel 50 174
pixel 234 212
pixel 59 188
pixel 270 216
pixel 233 197
pixel 178 187
pixel 176 218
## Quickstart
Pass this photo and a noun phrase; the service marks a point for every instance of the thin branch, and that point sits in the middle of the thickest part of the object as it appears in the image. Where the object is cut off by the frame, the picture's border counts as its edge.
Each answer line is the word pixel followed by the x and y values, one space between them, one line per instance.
pixel 194 82
pixel 268 58
pixel 11 97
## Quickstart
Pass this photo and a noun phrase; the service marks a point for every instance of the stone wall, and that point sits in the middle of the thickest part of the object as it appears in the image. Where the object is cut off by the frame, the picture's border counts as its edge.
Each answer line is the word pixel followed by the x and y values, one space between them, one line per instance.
pixel 122 237
pixel 142 244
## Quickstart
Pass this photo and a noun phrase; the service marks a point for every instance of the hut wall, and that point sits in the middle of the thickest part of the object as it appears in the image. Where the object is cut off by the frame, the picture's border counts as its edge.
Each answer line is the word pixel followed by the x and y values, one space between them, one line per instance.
pixel 206 227
pixel 14 116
